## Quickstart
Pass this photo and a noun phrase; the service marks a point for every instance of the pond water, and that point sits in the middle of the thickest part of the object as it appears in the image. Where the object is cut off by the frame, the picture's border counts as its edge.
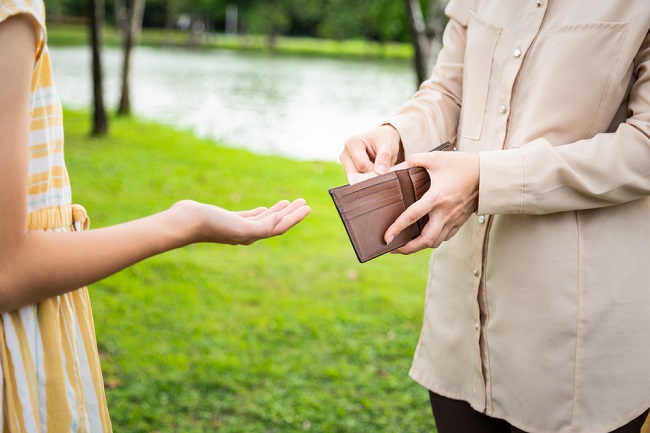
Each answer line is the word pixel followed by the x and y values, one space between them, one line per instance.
pixel 300 107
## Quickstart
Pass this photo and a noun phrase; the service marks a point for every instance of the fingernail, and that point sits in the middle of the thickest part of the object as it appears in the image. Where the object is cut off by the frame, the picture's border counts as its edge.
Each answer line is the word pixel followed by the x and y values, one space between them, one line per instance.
pixel 389 239
pixel 381 168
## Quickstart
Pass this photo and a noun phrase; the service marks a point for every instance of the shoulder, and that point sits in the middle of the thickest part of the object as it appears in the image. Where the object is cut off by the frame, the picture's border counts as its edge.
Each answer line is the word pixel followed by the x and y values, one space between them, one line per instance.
pixel 35 9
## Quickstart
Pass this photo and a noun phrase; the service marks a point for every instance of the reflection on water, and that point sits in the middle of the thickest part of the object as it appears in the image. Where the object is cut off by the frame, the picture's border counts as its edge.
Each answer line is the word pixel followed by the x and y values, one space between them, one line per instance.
pixel 303 108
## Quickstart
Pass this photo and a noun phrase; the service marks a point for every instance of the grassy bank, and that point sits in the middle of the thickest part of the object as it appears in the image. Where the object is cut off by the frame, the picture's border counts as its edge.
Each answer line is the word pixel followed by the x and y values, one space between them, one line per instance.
pixel 67 34
pixel 290 334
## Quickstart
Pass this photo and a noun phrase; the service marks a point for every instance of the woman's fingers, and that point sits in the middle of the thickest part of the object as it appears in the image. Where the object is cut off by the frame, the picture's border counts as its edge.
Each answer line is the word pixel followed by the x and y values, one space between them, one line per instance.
pixel 451 199
pixel 432 236
pixel 375 150
pixel 414 212
pixel 357 156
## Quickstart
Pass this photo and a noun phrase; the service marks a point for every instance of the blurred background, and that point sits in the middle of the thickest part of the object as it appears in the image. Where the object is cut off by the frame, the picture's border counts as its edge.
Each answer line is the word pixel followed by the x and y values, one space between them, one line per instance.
pixel 288 77
pixel 241 104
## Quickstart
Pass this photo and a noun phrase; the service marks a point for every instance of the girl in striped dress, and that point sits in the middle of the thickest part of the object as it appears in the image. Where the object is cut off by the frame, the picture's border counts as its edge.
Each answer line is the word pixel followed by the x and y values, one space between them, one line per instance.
pixel 50 377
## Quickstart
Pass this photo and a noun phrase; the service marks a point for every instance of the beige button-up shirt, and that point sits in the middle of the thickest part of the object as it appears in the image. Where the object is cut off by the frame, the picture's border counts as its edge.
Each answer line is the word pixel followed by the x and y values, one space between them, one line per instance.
pixel 538 310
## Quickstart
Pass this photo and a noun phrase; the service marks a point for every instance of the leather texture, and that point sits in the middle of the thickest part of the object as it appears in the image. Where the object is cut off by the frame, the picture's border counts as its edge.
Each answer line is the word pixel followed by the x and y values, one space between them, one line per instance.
pixel 369 207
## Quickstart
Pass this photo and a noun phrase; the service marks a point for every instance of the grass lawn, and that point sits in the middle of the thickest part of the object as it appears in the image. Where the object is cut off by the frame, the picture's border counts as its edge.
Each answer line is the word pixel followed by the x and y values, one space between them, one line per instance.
pixel 290 334
pixel 68 34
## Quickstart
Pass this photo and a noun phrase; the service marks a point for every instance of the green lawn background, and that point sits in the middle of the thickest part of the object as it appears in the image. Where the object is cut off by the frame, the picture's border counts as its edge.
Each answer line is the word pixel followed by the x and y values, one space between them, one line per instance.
pixel 290 334
pixel 74 35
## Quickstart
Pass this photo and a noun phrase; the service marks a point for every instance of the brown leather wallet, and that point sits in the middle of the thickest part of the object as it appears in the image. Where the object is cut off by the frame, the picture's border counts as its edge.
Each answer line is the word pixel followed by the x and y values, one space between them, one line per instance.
pixel 369 207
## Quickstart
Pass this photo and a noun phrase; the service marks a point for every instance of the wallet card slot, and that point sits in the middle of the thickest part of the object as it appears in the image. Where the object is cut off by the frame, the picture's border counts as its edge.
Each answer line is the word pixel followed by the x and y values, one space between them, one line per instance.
pixel 420 191
pixel 374 207
pixel 373 200
pixel 371 216
pixel 361 189
pixel 424 183
pixel 370 195
pixel 419 175
pixel 367 231
pixel 421 184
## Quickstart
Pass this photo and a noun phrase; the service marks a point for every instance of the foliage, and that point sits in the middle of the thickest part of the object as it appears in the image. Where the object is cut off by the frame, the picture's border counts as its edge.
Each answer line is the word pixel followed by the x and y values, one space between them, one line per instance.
pixel 379 20
pixel 287 335
pixel 71 35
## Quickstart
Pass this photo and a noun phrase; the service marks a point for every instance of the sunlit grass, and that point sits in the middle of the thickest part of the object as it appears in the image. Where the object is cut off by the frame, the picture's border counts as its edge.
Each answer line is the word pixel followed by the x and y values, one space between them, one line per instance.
pixel 65 35
pixel 290 334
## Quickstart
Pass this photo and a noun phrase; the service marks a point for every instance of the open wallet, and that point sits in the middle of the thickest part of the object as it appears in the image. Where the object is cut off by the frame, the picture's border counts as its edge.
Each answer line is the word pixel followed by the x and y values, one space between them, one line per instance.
pixel 369 207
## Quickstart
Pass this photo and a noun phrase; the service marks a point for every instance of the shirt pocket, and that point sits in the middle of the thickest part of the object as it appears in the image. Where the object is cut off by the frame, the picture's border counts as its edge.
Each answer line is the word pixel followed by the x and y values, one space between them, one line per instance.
pixel 573 77
pixel 482 40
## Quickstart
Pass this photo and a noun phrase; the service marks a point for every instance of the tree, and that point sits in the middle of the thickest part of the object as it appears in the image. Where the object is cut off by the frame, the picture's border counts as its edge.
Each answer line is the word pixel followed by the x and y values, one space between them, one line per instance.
pixel 425 35
pixel 130 37
pixel 271 18
pixel 96 12
pixel 340 20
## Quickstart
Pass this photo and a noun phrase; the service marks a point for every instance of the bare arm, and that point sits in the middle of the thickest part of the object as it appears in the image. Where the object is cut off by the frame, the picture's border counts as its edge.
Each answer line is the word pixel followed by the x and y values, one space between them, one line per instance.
pixel 36 265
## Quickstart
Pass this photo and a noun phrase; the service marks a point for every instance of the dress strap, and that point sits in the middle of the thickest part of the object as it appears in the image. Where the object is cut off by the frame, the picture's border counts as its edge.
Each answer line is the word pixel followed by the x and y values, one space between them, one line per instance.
pixel 80 218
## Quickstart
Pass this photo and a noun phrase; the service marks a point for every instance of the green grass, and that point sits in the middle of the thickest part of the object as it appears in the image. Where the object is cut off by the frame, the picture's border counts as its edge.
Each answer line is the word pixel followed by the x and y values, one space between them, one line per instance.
pixel 67 35
pixel 290 334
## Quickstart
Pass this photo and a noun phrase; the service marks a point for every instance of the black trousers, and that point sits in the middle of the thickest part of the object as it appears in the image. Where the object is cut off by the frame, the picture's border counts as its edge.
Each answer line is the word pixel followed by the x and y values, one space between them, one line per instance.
pixel 456 416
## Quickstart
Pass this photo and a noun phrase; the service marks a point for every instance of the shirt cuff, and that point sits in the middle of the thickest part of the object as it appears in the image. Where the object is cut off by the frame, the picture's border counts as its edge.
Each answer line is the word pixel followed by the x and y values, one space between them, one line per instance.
pixel 409 132
pixel 501 187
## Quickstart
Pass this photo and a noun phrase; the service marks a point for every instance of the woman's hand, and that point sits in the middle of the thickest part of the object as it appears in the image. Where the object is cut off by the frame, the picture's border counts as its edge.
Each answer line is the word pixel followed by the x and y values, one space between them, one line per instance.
pixel 218 225
pixel 376 150
pixel 451 199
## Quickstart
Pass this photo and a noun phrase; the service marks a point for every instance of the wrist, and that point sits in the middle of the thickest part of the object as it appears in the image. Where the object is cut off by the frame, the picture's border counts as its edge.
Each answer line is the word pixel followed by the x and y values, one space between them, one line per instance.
pixel 184 223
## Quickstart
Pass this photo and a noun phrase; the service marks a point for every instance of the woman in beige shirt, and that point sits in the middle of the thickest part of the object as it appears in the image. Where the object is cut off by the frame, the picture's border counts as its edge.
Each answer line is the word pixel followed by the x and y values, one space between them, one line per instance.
pixel 537 313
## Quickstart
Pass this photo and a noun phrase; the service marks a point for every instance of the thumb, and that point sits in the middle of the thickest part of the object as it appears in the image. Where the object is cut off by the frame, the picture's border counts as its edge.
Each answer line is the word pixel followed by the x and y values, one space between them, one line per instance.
pixel 387 143
pixel 383 161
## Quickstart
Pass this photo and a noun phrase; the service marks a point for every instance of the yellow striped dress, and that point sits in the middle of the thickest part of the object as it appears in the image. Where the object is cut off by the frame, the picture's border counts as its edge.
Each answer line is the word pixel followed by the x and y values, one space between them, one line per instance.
pixel 51 378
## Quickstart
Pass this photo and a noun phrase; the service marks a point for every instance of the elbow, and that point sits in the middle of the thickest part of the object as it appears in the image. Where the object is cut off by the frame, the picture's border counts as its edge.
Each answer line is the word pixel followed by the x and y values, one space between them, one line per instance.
pixel 9 288
pixel 6 300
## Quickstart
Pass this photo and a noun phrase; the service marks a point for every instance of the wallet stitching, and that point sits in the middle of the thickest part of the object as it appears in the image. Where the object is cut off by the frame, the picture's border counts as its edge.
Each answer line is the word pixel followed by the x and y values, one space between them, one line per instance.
pixel 364 258
pixel 341 192
pixel 417 225
pixel 346 187
pixel 352 232
pixel 377 196
pixel 395 199
pixel 377 208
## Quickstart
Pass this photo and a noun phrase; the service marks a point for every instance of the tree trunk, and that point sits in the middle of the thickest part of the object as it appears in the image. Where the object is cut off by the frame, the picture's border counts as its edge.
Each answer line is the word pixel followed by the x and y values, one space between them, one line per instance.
pixel 425 35
pixel 131 38
pixel 121 16
pixel 421 44
pixel 436 20
pixel 96 11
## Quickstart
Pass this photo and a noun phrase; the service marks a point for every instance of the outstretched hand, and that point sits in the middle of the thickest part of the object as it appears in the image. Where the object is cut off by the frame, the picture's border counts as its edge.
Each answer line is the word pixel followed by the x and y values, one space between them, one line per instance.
pixel 218 225
pixel 449 202
pixel 265 223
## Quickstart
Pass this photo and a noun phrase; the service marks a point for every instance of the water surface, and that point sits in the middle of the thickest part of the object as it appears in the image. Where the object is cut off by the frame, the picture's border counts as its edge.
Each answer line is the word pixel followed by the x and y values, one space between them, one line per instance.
pixel 301 107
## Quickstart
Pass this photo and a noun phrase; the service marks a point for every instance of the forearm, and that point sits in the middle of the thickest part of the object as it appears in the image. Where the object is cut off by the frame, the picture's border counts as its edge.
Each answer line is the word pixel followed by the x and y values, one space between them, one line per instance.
pixel 539 178
pixel 35 264
pixel 431 117
pixel 43 264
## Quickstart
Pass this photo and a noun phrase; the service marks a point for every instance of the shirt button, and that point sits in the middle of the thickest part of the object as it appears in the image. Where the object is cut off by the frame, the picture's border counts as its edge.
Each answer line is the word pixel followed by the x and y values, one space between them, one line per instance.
pixel 476 272
pixel 517 53
pixel 481 219
pixel 476 326
pixel 539 3
pixel 502 109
